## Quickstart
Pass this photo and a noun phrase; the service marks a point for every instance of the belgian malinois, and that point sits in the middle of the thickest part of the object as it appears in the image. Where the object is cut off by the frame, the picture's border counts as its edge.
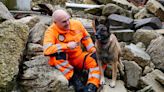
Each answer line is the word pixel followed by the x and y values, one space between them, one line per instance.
pixel 108 50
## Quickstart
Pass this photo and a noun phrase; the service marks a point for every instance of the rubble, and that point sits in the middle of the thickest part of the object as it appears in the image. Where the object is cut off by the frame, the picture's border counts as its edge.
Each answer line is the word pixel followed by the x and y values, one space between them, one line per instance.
pixel 139 27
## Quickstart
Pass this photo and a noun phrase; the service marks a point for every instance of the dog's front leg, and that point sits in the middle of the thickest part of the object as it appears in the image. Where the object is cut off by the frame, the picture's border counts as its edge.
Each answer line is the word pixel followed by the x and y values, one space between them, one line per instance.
pixel 102 78
pixel 114 74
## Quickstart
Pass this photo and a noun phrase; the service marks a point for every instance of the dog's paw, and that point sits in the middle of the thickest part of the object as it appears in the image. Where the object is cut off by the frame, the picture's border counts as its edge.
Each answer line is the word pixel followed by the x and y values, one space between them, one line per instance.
pixel 112 84
pixel 102 81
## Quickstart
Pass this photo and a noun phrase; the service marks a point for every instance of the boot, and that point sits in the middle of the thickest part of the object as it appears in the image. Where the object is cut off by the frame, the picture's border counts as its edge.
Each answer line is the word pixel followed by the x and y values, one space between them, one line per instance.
pixel 90 88
pixel 78 85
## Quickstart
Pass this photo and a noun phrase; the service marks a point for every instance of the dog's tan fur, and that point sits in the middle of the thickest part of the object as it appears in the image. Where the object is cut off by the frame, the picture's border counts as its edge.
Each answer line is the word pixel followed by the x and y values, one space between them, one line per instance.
pixel 111 49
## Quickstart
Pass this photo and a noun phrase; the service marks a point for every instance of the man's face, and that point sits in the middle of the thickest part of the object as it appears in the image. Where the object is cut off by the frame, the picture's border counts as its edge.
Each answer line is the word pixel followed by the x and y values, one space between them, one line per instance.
pixel 63 22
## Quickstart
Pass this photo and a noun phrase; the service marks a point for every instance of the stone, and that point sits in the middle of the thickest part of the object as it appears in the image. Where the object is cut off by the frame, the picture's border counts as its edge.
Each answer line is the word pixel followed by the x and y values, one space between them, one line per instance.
pixel 37 33
pixel 4 13
pixel 149 80
pixel 145 36
pixel 94 11
pixel 153 22
pixel 160 79
pixel 133 73
pixel 118 20
pixel 38 76
pixel 125 35
pixel 113 9
pixel 156 52
pixel 125 4
pixel 156 8
pixel 29 20
pixel 143 13
pixel 119 86
pixel 13 39
pixel 133 53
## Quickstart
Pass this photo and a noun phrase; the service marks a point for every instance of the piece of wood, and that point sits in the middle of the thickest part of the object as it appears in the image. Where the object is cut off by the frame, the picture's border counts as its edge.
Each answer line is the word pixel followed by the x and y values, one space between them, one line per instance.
pixel 83 6
pixel 24 12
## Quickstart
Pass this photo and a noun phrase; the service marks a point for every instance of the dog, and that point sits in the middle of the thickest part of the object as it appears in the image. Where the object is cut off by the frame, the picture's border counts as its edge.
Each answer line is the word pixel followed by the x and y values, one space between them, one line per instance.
pixel 108 51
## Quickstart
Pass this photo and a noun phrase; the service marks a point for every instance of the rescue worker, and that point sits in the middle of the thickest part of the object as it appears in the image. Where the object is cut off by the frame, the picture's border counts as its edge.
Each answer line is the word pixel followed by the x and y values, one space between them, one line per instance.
pixel 62 43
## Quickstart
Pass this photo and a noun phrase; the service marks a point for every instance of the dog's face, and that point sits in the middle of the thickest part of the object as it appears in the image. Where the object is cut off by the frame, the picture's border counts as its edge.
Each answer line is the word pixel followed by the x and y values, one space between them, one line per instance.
pixel 102 31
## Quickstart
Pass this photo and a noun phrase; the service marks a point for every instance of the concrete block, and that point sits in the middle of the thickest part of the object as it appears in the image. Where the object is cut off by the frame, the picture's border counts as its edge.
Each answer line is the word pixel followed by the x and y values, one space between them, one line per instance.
pixel 153 22
pixel 118 20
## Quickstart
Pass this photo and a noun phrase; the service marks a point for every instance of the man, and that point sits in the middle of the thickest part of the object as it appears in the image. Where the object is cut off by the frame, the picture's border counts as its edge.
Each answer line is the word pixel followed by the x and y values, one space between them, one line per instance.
pixel 62 43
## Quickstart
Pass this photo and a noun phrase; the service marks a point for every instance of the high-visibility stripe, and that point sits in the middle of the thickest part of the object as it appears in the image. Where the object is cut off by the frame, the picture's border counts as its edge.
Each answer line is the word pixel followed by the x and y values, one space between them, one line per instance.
pixel 94 69
pixel 59 46
pixel 63 65
pixel 66 71
pixel 94 75
pixel 86 37
pixel 90 46
pixel 47 46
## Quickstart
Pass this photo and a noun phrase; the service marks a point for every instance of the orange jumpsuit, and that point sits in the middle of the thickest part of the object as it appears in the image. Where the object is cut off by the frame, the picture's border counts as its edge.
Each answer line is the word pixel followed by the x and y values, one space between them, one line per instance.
pixel 55 41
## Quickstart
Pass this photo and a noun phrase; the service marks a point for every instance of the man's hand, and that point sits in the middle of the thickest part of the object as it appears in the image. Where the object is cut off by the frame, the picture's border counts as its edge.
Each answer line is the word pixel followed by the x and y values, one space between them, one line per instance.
pixel 72 45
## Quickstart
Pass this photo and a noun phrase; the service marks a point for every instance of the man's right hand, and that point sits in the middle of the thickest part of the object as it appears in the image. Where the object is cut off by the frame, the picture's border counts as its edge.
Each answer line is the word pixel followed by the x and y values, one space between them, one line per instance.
pixel 72 45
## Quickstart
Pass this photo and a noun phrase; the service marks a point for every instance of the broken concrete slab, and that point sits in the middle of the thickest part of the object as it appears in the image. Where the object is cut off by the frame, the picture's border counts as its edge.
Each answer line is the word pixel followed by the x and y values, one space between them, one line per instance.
pixel 133 73
pixel 114 9
pixel 160 78
pixel 4 13
pixel 119 87
pixel 156 8
pixel 133 53
pixel 149 80
pixel 94 11
pixel 117 20
pixel 143 13
pixel 125 4
pixel 153 22
pixel 160 31
pixel 29 20
pixel 145 36
pixel 161 1
pixel 125 35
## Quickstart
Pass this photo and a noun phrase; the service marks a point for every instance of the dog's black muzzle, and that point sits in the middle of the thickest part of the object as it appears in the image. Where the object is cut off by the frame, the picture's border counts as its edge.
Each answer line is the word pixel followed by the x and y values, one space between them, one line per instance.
pixel 98 37
pixel 101 37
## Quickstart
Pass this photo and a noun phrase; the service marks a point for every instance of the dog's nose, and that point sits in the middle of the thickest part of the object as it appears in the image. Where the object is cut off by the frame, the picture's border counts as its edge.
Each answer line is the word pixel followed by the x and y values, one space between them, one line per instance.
pixel 97 36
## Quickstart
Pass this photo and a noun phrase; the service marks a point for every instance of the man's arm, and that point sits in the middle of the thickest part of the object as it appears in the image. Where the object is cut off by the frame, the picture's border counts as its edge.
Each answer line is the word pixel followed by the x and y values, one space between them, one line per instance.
pixel 87 41
pixel 49 43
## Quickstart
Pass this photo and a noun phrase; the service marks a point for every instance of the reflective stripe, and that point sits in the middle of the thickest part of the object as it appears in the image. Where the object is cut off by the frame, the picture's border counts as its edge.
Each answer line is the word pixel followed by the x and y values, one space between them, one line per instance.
pixel 90 46
pixel 47 46
pixel 93 69
pixel 59 46
pixel 63 65
pixel 94 75
pixel 66 71
pixel 86 37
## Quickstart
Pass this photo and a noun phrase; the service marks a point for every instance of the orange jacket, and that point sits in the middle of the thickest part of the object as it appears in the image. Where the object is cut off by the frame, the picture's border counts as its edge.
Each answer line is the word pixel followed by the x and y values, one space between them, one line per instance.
pixel 55 40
